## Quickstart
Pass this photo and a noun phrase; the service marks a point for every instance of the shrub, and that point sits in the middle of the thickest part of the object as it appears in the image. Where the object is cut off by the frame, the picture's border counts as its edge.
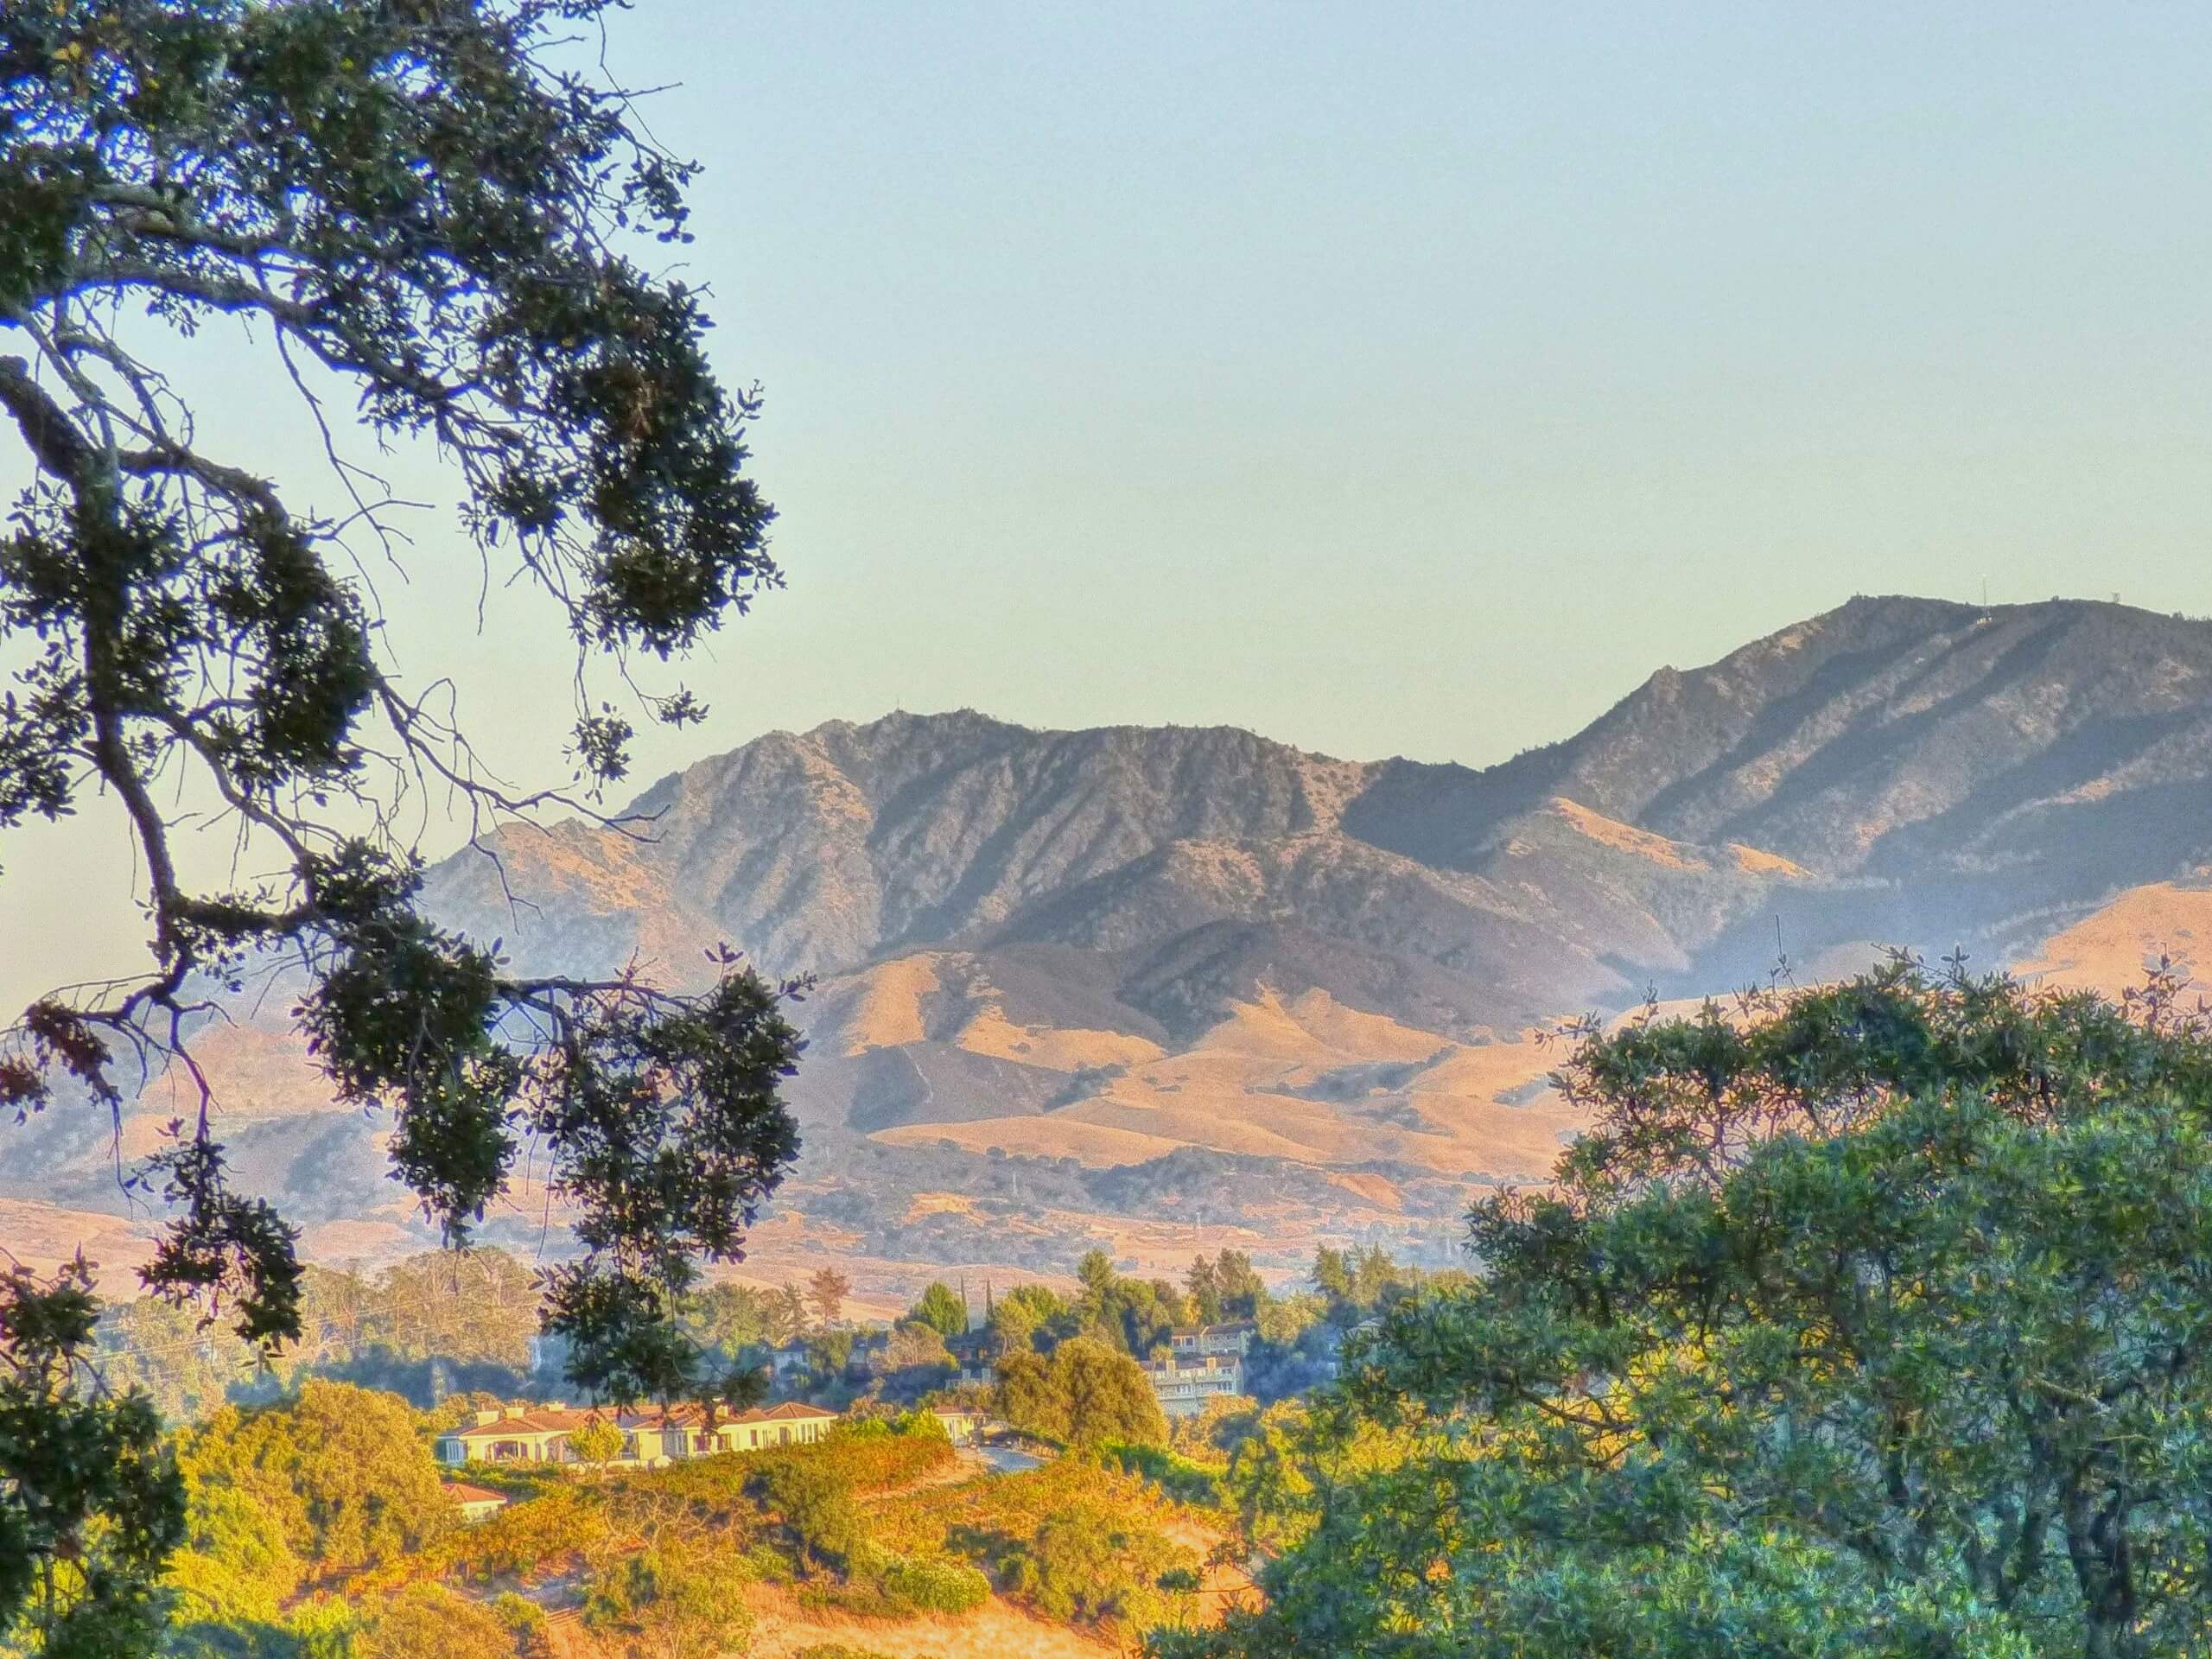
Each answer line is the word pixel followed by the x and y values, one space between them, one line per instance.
pixel 525 1619
pixel 677 1603
pixel 936 1587
pixel 427 1621
pixel 816 1506
pixel 1178 1477
pixel 768 1564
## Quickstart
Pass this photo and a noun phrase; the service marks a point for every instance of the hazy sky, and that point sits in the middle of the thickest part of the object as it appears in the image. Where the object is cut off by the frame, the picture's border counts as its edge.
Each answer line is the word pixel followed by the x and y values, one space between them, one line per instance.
pixel 1390 378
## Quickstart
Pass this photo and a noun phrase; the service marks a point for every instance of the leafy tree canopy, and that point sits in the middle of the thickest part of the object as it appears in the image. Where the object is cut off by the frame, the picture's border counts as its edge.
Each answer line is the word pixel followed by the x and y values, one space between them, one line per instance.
pixel 431 208
pixel 943 1310
pixel 914 1355
pixel 90 1502
pixel 1086 1395
pixel 667 1604
pixel 1871 1318
pixel 339 1471
pixel 416 199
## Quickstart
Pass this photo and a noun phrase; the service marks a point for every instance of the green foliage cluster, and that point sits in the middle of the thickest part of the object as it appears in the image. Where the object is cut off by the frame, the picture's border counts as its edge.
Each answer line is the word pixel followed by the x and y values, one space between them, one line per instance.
pixel 1018 1317
pixel 1300 1335
pixel 463 1320
pixel 1085 1395
pixel 736 1321
pixel 90 1502
pixel 942 1310
pixel 1077 1566
pixel 1134 1316
pixel 436 206
pixel 335 1482
pixel 1075 1540
pixel 667 1603
pixel 427 1621
pixel 878 1583
pixel 935 1586
pixel 1871 1318
pixel 1227 1287
pixel 1184 1479
pixel 1360 1282
pixel 813 1504
pixel 1215 1431
pixel 1297 1337
pixel 828 1356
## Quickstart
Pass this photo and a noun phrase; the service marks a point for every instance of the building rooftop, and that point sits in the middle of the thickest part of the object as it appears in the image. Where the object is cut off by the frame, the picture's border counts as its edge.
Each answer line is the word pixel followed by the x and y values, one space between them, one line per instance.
pixel 684 1415
pixel 527 1420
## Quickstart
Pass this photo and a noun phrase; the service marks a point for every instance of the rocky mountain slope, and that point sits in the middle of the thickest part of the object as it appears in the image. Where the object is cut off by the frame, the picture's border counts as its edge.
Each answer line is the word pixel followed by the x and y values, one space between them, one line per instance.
pixel 1180 979
pixel 1952 768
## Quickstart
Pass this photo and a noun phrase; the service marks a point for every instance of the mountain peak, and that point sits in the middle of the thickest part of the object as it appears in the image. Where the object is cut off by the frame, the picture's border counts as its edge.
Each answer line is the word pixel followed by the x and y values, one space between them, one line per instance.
pixel 1969 763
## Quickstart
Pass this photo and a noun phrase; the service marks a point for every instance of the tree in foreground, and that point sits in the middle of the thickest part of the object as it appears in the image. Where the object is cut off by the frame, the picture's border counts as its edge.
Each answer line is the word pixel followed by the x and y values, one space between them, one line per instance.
pixel 418 205
pixel 90 1502
pixel 1874 1318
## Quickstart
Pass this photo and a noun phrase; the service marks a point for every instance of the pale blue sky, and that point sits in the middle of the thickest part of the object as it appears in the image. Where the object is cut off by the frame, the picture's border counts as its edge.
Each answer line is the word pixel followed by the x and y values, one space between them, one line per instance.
pixel 1415 378
pixel 1391 378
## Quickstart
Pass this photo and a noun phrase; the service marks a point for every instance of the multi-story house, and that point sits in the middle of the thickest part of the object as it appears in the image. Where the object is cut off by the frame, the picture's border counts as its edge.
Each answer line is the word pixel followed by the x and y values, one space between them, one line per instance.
pixel 1183 1390
pixel 1233 1337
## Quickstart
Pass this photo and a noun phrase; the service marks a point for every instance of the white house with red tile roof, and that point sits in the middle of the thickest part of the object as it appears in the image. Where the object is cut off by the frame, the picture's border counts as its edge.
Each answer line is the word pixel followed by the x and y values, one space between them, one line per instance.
pixel 475 1502
pixel 681 1431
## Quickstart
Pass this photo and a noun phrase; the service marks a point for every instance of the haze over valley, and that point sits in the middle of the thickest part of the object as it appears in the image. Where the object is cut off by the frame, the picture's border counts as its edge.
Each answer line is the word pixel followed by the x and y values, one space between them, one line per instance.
pixel 1161 989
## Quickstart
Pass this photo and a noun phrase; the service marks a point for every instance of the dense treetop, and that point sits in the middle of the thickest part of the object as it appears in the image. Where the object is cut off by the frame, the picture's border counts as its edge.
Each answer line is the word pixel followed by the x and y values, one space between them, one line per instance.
pixel 416 197
pixel 1871 1318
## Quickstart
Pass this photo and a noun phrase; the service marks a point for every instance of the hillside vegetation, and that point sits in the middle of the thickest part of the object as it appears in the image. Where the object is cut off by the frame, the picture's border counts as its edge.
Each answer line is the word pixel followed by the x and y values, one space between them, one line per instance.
pixel 318 1526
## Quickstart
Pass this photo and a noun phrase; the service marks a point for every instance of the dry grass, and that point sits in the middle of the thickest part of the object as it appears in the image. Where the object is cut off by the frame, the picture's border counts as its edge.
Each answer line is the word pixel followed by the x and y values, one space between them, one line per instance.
pixel 995 1631
pixel 2111 950
pixel 41 1237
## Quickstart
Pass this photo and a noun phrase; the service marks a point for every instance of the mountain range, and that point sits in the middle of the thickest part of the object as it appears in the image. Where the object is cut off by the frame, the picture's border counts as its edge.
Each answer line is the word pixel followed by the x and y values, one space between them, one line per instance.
pixel 1166 988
